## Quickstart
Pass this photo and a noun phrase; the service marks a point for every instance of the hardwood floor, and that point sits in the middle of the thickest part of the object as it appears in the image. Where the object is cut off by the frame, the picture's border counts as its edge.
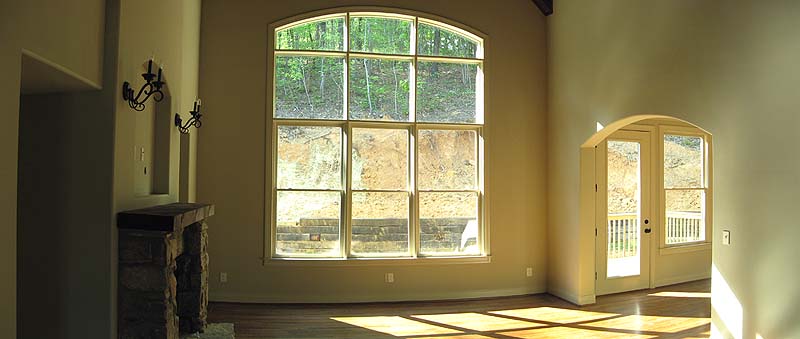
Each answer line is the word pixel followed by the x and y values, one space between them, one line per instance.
pixel 677 311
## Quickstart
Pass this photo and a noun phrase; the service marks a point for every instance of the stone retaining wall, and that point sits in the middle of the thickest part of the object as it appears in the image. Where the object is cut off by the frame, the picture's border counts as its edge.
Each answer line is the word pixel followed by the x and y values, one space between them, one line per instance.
pixel 437 234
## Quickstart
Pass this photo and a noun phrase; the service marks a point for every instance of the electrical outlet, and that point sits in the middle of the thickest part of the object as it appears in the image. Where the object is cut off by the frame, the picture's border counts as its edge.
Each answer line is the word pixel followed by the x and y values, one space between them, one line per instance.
pixel 529 272
pixel 389 278
pixel 223 277
pixel 726 237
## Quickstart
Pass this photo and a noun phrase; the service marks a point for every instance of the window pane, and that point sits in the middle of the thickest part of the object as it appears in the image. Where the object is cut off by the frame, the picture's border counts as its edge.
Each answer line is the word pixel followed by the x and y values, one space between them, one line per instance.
pixel 380 35
pixel 324 35
pixel 446 92
pixel 448 223
pixel 435 41
pixel 685 221
pixel 380 159
pixel 309 157
pixel 380 223
pixel 683 161
pixel 309 87
pixel 447 159
pixel 308 223
pixel 379 89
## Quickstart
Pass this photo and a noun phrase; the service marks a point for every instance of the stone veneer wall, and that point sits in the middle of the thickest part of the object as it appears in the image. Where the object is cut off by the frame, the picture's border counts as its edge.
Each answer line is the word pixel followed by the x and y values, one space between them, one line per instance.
pixel 163 282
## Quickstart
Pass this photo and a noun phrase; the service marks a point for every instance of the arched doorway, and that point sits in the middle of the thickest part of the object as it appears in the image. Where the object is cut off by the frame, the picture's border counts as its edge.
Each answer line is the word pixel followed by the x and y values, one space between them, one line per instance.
pixel 651 203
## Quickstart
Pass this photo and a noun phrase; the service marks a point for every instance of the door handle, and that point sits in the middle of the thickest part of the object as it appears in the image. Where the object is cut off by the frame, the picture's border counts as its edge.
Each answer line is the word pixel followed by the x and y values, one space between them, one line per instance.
pixel 646 230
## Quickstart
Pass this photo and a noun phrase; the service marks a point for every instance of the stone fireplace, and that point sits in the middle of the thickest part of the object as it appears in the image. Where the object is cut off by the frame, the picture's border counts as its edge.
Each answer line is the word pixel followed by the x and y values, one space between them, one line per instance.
pixel 163 271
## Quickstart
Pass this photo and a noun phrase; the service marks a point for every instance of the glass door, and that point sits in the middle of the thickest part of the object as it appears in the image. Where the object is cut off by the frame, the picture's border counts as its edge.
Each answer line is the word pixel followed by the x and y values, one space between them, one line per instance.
pixel 623 219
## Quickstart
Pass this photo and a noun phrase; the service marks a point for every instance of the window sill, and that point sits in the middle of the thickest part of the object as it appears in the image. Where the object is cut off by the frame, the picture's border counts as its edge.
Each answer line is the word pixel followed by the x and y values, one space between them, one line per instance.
pixel 696 247
pixel 339 262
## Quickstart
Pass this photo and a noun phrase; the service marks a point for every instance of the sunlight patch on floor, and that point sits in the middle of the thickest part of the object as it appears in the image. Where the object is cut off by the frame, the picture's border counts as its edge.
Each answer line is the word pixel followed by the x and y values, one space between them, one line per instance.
pixel 569 332
pixel 478 322
pixel 651 323
pixel 554 314
pixel 396 326
pixel 681 294
pixel 457 336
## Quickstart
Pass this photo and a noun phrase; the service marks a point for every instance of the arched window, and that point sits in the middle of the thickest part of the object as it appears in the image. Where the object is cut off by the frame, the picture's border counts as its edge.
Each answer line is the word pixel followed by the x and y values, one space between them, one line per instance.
pixel 377 138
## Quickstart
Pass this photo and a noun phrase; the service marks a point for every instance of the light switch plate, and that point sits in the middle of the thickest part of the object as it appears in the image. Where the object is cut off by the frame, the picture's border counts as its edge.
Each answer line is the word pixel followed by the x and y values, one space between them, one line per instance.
pixel 726 237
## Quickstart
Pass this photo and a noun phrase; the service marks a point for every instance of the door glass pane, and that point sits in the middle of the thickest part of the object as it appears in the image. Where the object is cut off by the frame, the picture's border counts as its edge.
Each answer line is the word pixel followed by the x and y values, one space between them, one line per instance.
pixel 380 223
pixel 624 208
pixel 448 223
pixel 308 223
pixel 685 221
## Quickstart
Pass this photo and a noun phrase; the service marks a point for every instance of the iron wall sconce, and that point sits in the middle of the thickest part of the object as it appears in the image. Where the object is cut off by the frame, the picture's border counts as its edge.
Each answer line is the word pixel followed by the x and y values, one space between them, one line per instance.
pixel 193 121
pixel 150 88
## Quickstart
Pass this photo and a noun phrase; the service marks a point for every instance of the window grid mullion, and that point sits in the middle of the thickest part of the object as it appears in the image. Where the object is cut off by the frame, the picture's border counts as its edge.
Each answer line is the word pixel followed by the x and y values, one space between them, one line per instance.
pixel 347 205
pixel 345 236
pixel 359 190
pixel 412 126
pixel 381 56
pixel 273 243
pixel 414 232
pixel 310 53
pixel 450 60
pixel 417 231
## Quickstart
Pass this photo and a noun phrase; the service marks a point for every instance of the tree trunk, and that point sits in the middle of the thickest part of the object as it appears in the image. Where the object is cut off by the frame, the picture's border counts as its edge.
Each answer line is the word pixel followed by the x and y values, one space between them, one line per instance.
pixel 366 66
pixel 305 87
pixel 321 34
pixel 437 44
pixel 396 85
pixel 366 75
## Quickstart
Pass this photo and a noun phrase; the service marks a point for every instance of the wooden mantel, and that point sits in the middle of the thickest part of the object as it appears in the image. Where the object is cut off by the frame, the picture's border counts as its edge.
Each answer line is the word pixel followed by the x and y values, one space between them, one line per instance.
pixel 164 218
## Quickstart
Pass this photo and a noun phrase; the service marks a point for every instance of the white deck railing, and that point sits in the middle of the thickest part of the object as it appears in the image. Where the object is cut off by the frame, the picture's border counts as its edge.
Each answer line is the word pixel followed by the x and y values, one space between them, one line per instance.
pixel 623 235
pixel 684 227
pixel 623 232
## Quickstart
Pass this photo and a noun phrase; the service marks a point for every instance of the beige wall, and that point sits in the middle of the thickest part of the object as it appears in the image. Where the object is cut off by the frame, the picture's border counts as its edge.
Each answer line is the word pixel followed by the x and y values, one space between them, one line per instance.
pixel 729 67
pixel 75 170
pixel 9 114
pixel 231 160
pixel 20 28
pixel 170 30
pixel 172 34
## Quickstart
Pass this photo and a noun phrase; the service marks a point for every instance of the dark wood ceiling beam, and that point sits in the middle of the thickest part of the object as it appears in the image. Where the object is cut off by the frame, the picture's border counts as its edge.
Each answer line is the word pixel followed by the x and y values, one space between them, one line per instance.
pixel 546 6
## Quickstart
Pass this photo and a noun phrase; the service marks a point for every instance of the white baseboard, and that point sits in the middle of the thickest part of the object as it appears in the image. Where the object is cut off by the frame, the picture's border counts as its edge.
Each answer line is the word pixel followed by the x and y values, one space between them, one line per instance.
pixel 682 279
pixel 571 297
pixel 587 299
pixel 247 298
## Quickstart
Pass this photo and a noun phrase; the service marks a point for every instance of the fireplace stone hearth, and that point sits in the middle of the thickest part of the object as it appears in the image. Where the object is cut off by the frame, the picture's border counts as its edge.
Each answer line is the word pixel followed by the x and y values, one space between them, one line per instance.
pixel 163 271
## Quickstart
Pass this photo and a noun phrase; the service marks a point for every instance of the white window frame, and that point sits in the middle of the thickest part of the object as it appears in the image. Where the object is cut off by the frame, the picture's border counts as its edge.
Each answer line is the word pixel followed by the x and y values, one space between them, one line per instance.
pixel 707 189
pixel 347 125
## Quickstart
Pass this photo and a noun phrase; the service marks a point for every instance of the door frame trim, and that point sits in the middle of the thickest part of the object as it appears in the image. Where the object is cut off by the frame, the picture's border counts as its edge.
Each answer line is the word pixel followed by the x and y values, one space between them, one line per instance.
pixel 599 211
